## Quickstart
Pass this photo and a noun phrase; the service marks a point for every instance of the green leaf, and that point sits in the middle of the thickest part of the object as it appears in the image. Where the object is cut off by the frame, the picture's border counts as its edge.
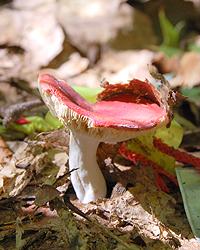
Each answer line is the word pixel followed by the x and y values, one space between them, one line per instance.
pixel 49 122
pixel 194 47
pixel 144 145
pixel 186 124
pixel 37 124
pixel 45 194
pixel 172 136
pixel 90 94
pixel 170 51
pixel 2 129
pixel 52 121
pixel 192 93
pixel 20 243
pixel 189 179
pixel 170 32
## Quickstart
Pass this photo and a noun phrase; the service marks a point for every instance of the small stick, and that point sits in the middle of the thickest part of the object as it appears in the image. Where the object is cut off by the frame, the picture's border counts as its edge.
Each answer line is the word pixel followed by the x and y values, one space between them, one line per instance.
pixel 13 112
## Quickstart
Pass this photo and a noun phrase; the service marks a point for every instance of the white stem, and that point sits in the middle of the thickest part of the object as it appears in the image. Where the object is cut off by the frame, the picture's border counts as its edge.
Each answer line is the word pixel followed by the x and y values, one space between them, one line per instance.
pixel 87 180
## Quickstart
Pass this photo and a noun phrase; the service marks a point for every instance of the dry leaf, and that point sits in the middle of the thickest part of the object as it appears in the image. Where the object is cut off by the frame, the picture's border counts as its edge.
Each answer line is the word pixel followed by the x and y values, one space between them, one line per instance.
pixel 5 152
pixel 35 158
pixel 45 194
pixel 117 66
pixel 98 21
pixel 72 67
pixel 122 66
pixel 188 71
pixel 34 28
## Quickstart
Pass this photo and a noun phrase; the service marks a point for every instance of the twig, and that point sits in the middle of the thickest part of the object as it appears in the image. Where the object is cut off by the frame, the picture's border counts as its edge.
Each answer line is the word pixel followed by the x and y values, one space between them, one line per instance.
pixel 23 85
pixel 14 111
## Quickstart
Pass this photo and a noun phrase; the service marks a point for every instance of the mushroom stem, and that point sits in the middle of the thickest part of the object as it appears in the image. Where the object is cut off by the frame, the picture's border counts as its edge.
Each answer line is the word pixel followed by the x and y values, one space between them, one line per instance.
pixel 88 181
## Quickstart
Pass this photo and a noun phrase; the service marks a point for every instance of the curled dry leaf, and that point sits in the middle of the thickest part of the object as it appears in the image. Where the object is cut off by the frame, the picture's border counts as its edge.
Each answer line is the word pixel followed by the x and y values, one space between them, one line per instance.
pixel 188 71
pixel 108 16
pixel 75 65
pixel 117 66
pixel 25 26
pixel 121 66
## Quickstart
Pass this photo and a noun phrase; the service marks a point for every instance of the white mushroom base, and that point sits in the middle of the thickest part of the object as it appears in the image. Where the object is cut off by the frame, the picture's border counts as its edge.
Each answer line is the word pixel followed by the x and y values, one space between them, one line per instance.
pixel 88 181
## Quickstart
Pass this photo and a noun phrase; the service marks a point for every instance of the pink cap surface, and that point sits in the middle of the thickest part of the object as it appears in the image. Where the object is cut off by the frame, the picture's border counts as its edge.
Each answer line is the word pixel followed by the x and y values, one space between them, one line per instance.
pixel 135 105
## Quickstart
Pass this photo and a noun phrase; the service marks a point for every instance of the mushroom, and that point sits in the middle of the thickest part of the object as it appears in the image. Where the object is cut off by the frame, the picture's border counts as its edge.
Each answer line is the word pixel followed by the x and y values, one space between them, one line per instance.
pixel 123 111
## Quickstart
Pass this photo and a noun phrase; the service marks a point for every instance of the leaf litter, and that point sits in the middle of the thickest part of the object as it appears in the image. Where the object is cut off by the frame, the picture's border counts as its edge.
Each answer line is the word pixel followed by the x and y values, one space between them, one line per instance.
pixel 38 207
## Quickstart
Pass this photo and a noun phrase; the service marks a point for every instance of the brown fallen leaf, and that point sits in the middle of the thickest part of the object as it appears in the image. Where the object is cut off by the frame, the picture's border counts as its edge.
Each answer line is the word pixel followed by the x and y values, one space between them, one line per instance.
pixel 23 25
pixel 117 66
pixel 122 66
pixel 108 16
pixel 45 194
pixel 36 157
pixel 165 64
pixel 188 71
pixel 75 65
pixel 5 152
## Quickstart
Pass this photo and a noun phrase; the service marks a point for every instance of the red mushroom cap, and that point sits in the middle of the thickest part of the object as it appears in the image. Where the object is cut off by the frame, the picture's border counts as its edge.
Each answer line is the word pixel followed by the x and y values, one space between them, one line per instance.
pixel 133 106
